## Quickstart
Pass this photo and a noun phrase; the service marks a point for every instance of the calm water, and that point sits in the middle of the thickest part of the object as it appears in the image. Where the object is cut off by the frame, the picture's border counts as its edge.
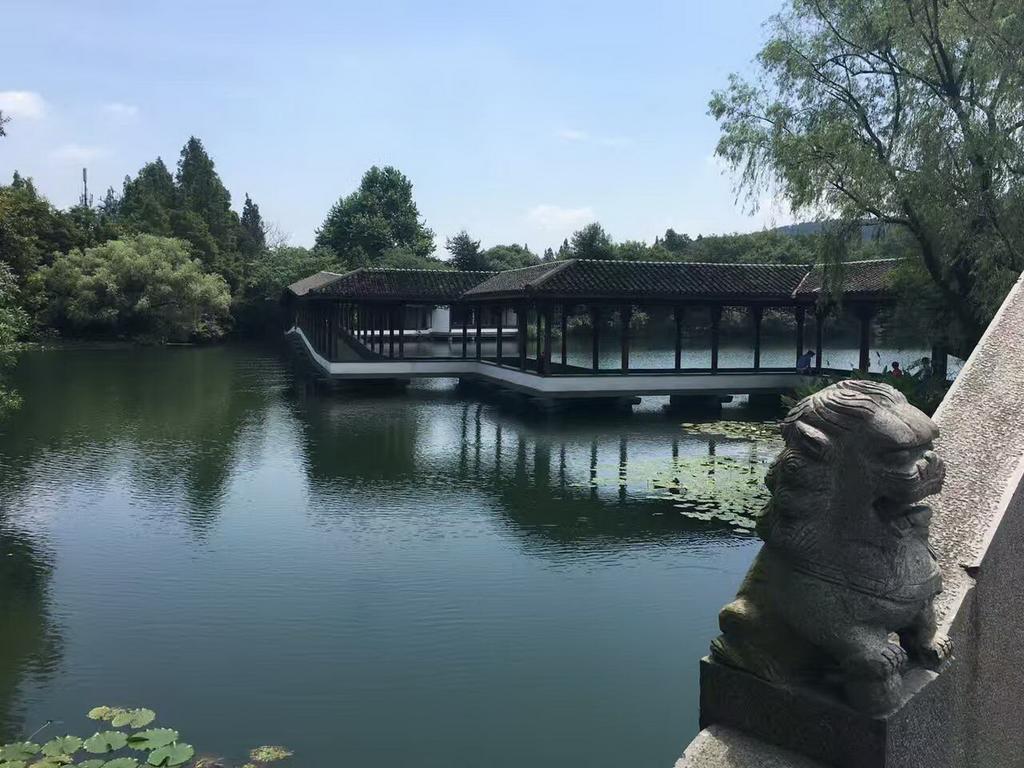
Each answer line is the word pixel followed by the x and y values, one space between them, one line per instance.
pixel 370 580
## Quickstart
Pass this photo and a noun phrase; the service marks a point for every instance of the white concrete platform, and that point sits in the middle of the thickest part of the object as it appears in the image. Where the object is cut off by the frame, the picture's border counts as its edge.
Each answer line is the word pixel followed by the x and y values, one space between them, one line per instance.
pixel 575 385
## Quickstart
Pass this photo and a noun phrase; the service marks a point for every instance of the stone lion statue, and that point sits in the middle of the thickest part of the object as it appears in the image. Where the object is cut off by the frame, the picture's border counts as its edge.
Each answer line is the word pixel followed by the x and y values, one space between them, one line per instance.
pixel 842 588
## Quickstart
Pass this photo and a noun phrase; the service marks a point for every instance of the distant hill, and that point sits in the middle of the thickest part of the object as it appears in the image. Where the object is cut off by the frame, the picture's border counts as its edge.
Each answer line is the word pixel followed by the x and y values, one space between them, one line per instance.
pixel 867 231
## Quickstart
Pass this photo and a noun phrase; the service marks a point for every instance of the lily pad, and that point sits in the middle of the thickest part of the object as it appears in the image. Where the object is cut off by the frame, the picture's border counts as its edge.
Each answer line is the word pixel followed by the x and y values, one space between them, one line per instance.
pixel 269 754
pixel 108 741
pixel 134 718
pixel 22 750
pixel 172 754
pixel 154 738
pixel 90 764
pixel 52 761
pixel 12 764
pixel 62 745
pixel 102 713
pixel 121 762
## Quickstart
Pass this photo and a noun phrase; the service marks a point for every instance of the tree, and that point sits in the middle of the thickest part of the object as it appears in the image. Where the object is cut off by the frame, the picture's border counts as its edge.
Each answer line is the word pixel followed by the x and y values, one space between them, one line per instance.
pixel 676 243
pixel 564 250
pixel 514 256
pixel 3 121
pixel 549 255
pixel 31 229
pixel 465 251
pixel 591 242
pixel 378 216
pixel 254 233
pixel 148 200
pixel 901 113
pixel 145 288
pixel 203 194
pixel 13 323
pixel 257 309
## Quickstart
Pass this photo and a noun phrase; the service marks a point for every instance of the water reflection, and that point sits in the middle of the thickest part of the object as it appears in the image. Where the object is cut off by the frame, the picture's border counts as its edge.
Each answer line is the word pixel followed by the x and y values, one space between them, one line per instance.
pixel 29 644
pixel 579 479
pixel 265 562
pixel 171 421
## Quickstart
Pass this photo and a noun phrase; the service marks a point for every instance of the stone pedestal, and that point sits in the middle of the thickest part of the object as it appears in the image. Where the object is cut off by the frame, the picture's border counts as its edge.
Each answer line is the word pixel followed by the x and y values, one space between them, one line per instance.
pixel 817 724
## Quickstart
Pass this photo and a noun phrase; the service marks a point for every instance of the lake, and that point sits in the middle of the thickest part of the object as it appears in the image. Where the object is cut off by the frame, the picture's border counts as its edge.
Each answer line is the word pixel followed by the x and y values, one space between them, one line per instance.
pixel 371 580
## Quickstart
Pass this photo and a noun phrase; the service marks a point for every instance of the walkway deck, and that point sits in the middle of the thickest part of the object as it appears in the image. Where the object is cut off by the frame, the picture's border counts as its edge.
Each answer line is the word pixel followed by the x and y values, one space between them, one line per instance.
pixel 572 382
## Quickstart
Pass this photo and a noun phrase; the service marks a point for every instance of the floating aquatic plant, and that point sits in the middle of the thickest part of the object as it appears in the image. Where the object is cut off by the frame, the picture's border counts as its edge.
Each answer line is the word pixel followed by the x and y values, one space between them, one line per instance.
pixel 159 747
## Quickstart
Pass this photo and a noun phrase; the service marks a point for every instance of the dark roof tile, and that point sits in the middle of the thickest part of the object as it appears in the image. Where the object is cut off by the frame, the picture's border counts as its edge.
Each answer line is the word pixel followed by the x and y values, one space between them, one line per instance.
pixel 858 279
pixel 577 278
pixel 428 285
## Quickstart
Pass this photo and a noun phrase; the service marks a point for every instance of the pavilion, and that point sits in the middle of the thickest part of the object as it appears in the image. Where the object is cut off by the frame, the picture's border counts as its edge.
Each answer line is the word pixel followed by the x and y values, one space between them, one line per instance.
pixel 358 323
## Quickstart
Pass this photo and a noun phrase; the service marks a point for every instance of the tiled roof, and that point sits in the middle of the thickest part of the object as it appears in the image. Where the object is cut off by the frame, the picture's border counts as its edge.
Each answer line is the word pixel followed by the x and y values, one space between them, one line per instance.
pixel 434 285
pixel 306 284
pixel 858 279
pixel 578 278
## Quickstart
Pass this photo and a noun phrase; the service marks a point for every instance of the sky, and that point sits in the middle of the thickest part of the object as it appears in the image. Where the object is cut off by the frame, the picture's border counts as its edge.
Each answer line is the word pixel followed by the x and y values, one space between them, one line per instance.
pixel 519 122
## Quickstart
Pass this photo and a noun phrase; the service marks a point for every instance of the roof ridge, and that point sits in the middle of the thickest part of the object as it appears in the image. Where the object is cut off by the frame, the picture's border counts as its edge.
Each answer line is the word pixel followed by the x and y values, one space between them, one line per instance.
pixel 652 262
pixel 426 269
pixel 558 268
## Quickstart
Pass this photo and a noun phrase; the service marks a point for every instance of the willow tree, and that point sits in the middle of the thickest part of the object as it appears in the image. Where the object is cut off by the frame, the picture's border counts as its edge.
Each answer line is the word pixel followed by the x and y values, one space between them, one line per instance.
pixel 909 113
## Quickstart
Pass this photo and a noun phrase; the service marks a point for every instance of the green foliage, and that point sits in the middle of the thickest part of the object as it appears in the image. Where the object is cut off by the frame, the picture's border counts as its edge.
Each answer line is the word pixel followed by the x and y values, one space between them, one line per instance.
pixel 269 754
pixel 106 741
pixel 62 745
pixel 159 746
pixel 925 393
pixel 32 231
pixel 501 257
pixel 591 242
pixel 257 307
pixel 905 114
pixel 253 235
pixel 465 251
pixel 144 288
pixel 377 217
pixel 13 325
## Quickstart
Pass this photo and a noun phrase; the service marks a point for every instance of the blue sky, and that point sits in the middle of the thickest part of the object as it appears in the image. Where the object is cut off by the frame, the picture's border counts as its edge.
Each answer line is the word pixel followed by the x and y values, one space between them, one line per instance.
pixel 517 121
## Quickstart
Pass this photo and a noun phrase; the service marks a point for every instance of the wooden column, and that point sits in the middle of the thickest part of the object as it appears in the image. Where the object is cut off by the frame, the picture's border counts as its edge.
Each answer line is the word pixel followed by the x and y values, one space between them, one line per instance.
pixel 391 331
pixel 401 331
pixel 595 338
pixel 335 329
pixel 625 318
pixel 537 343
pixel 465 331
pixel 864 315
pixel 499 342
pixel 521 317
pixel 799 312
pixel 548 317
pixel 478 315
pixel 566 309
pixel 758 314
pixel 716 322
pixel 819 338
pixel 678 311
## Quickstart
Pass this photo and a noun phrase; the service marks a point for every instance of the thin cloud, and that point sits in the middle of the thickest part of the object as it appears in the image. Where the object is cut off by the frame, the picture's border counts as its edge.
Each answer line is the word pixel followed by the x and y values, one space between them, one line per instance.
pixel 582 137
pixel 571 134
pixel 120 111
pixel 554 218
pixel 77 153
pixel 26 105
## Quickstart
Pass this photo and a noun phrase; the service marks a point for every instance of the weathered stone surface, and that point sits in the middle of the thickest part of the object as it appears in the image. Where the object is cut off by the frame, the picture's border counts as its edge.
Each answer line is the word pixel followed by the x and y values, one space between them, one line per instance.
pixel 843 585
pixel 816 724
pixel 982 426
pixel 978 535
pixel 720 747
